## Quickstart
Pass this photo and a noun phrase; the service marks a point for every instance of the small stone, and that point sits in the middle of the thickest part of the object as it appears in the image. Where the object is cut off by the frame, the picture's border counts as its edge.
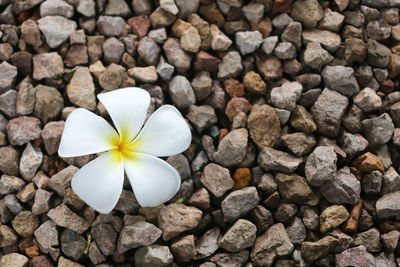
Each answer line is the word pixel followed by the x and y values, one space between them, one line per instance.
pixel 296 231
pixel 316 57
pixel 8 103
pixel 10 184
pixel 191 40
pixel 149 50
pixel 388 206
pixel 202 84
pixel 390 240
pixel 219 41
pixel 81 89
pixel 41 203
pixel 55 8
pixel 165 70
pixel 144 74
pixel 207 244
pixel 9 159
pixel 232 148
pixel 110 26
pixel 176 55
pixel 14 260
pixel 56 29
pixel 48 102
pixel 30 33
pixel 181 92
pixel 341 79
pixel 236 105
pixel 8 236
pixel 64 217
pixel 329 40
pixel 112 77
pixel 113 50
pixel 369 239
pixel 161 18
pixel 51 135
pixel 8 76
pixel 371 183
pixel 332 20
pixel 378 130
pixel 239 203
pixel 202 117
pixel 294 188
pixel 31 160
pixel 217 179
pixel 25 99
pixel 137 234
pixel 231 66
pixel 378 54
pixel 242 177
pixel 368 162
pixel 248 41
pixel 253 12
pixel 273 243
pixel 117 8
pixel 299 143
pixel 21 130
pixel 332 217
pixel 72 244
pixel 105 237
pixel 308 12
pixel 181 164
pixel 312 251
pixel 25 223
pixel 285 97
pixel 240 236
pixel 353 143
pixel 212 14
pixel 275 160
pixel 153 256
pixel 200 199
pixel 355 256
pixel 328 112
pixel 76 55
pixel 72 200
pixel 177 218
pixel 95 255
pixel 63 262
pixel 378 30
pixel 355 50
pixel 95 47
pixel 253 83
pixel 321 165
pixel 86 8
pixel 368 100
pixel 270 67
pixel 207 62
pixel 285 51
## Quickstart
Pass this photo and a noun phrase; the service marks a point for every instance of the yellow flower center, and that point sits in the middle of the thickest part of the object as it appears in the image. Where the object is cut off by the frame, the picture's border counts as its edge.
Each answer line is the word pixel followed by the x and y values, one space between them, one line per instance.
pixel 123 148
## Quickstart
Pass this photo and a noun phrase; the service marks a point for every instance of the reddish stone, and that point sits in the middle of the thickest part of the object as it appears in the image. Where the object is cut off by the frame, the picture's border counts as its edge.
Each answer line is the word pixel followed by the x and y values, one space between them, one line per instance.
pixel 140 25
pixel 234 87
pixel 32 251
pixel 387 86
pixel 23 61
pixel 388 226
pixel 76 55
pixel 242 177
pixel 236 105
pixel 207 62
pixel 282 6
pixel 42 261
pixel 222 134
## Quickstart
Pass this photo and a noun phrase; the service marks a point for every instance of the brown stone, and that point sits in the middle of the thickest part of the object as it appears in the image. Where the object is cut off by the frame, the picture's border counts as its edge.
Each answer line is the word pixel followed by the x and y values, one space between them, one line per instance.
pixel 253 83
pixel 212 14
pixel 234 88
pixel 236 105
pixel 140 25
pixel 242 177
pixel 282 6
pixel 207 62
pixel 76 55
pixel 387 86
pixel 368 162
pixel 352 223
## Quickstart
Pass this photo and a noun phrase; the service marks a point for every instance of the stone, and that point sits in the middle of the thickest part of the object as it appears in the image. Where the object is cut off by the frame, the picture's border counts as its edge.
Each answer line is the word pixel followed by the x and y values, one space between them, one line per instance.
pixel 161 18
pixel 149 50
pixel 231 65
pixel 21 130
pixel 51 135
pixel 368 100
pixel 176 55
pixel 329 40
pixel 355 50
pixel 56 29
pixel 332 217
pixel 30 33
pixel 390 240
pixel 154 255
pixel 312 251
pixel 72 244
pixel 216 179
pixel 181 164
pixel 294 188
pixel 378 130
pixel 332 20
pixel 86 8
pixel 110 26
pixel 207 244
pixel 81 89
pixel 321 165
pixel 273 243
pixel 48 102
pixel 263 120
pixel 8 103
pixel 14 260
pixel 269 67
pixel 144 74
pixel 95 255
pixel 31 160
pixel 8 236
pixel 344 188
pixel 275 160
pixel 64 217
pixel 378 54
pixel 25 223
pixel 112 77
pixel 207 62
pixel 41 203
pixel 285 51
pixel 253 83
pixel 248 41
pixel 165 70
pixel 299 143
pixel 239 203
pixel 296 231
pixel 12 204
pixel 202 117
pixel 269 44
pixel 316 57
pixel 253 12
pixel 236 105
pixel 25 99
pixel 371 183
pixel 140 25
pixel 328 112
pixel 106 238
pixel 368 162
pixel 56 8
pixel 388 206
pixel 378 30
pixel 136 235
pixel 10 184
pixel 62 180
pixel 308 12
pixel 369 239
pixel 391 181
pixel 9 159
pixel 63 262
pixel 231 259
pixel 212 14
pixel 191 40
pixel 181 92
pixel 8 76
pixel 341 79
pixel 184 249
pixel 240 236
pixel 117 8
pixel 113 50
pixel 202 85
pixel 47 65
pixel 232 148
pixel 177 218
pixel 353 143
pixel 286 96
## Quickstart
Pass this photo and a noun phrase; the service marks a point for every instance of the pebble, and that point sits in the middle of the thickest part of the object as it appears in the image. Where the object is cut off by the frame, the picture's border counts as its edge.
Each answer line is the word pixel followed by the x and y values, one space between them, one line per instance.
pixel 31 160
pixel 106 238
pixel 144 74
pixel 253 83
pixel 321 165
pixel 184 249
pixel 378 130
pixel 8 76
pixel 353 143
pixel 316 57
pixel 112 77
pixel 308 12
pixel 388 206
pixel 286 96
pixel 236 105
pixel 240 236
pixel 30 33
pixel 56 29
pixel 25 223
pixel 181 164
pixel 341 79
pixel 207 244
pixel 285 51
pixel 332 217
pixel 378 54
pixel 216 179
pixel 294 188
pixel 355 256
pixel 299 143
pixel 113 50
pixel 191 40
pixel 9 159
pixel 51 135
pixel 14 260
pixel 329 40
pixel 149 50
pixel 239 202
pixel 231 66
pixel 390 240
pixel 270 67
pixel 202 85
pixel 181 92
pixel 160 18
pixel 72 244
pixel 369 239
pixel 176 55
pixel 269 44
pixel 110 26
pixel 21 130
pixel 25 99
pixel 86 8
pixel 154 255
pixel 165 70
pixel 312 251
pixel 136 235
pixel 202 117
pixel 62 180
pixel 8 102
pixel 48 102
pixel 41 202
pixel 55 8
pixel 81 89
pixel 64 217
pixel 275 160
pixel 248 41
pixel 232 148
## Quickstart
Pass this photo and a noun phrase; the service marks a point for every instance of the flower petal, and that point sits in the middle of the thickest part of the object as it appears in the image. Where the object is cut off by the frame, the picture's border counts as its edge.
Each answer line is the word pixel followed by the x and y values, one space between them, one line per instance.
pixel 127 108
pixel 99 183
pixel 153 180
pixel 166 133
pixel 85 133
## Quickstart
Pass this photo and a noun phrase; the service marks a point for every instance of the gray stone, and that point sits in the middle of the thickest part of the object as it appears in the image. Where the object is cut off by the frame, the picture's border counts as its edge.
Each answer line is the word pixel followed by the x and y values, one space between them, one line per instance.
pixel 390 240
pixel 316 57
pixel 308 12
pixel 239 202
pixel 106 238
pixel 47 65
pixel 286 96
pixel 378 30
pixel 378 54
pixel 369 239
pixel 164 69
pixel 157 256
pixel 341 79
pixel 13 205
pixel 25 99
pixel 207 244
pixel 299 143
pixel 9 159
pixel 110 26
pixel 371 183
pixel 14 260
pixel 56 8
pixel 8 75
pixel 216 179
pixel 117 8
pixel 11 184
pixel 181 164
pixel 149 50
pixel 378 130
pixel 248 41
pixel 219 41
pixel 7 236
pixel 202 85
pixel 388 206
pixel 231 66
pixel 254 12
pixel 321 165
pixel 21 130
pixel 240 236
pixel 285 51
pixel 86 8
pixel 31 160
pixel 294 188
pixel 176 55
pixel 391 181
pixel 181 92
pixel 158 35
pixel 275 160
pixel 329 40
pixel 56 29
pixel 41 203
pixel 64 217
pixel 202 117
pixel 332 20
pixel 269 44
pixel 136 235
pixel 296 231
pixel 62 180
pixel 352 144
pixel 232 148
pixel 113 50
pixel 368 100
pixel 72 244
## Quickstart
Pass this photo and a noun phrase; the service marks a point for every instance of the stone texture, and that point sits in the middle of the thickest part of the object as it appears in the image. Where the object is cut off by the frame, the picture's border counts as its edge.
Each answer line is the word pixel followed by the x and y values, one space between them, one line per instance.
pixel 276 160
pixel 232 148
pixel 216 179
pixel 240 236
pixel 239 202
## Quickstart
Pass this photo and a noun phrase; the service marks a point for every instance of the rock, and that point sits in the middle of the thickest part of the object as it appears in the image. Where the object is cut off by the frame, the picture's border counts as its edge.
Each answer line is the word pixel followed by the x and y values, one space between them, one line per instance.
pixel 63 262
pixel 219 41
pixel 296 231
pixel 8 76
pixel 312 251
pixel 378 54
pixel 113 50
pixel 294 188
pixel 177 218
pixel 371 183
pixel 41 203
pixel 21 130
pixel 328 112
pixel 86 8
pixel 112 77
pixel 231 259
pixel 207 62
pixel 239 202
pixel 14 260
pixel 165 70
pixel 81 89
pixel 47 65
pixel 10 184
pixel 25 223
pixel 106 238
pixel 275 160
pixel 31 160
pixel 176 56
pixel 329 40
pixel 308 12
pixel 200 199
pixel 353 143
pixel 25 99
pixel 378 30
pixel 117 8
pixel 316 57
pixel 232 148
pixel 286 96
pixel 207 244
pixel 55 8
pixel 9 159
pixel 12 204
pixel 378 130
pixel 355 50
pixel 184 249
pixel 95 255
pixel 273 243
pixel 202 117
pixel 299 143
pixel 144 74
pixel 64 217
pixel 264 126
pixel 321 165
pixel 236 105
pixel 51 135
pixel 388 206
pixel 269 44
pixel 270 67
pixel 8 236
pixel 8 102
pixel 154 255
pixel 56 29
pixel 341 79
pixel 240 236
pixel 72 244
pixel 390 240
pixel 285 51
pixel 253 83
pixel 355 256
pixel 248 41
pixel 216 179
pixel 136 235
pixel 149 50
pixel 191 40
pixel 140 25
pixel 202 84
pixel 254 12
pixel 181 164
pixel 368 100
pixel 369 239
pixel 48 103
pixel 332 217
pixel 30 33
pixel 332 20
pixel 62 180
pixel 110 26
pixel 231 65
pixel 161 18
pixel 181 92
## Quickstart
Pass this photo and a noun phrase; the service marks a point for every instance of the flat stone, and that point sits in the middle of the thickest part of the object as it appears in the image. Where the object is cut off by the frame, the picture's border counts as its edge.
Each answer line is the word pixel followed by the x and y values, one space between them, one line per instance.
pixel 21 130
pixel 275 160
pixel 329 40
pixel 240 236
pixel 25 99
pixel 144 74
pixel 64 217
pixel 137 235
pixel 239 203
pixel 56 29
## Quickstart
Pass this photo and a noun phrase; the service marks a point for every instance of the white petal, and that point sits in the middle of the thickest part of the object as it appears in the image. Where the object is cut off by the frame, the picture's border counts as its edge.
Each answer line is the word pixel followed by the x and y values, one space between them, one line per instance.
pixel 99 183
pixel 166 133
pixel 86 133
pixel 127 108
pixel 153 180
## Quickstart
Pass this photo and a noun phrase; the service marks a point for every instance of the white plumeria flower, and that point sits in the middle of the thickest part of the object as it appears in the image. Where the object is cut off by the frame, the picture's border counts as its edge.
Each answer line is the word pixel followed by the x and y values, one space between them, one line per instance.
pixel 133 149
